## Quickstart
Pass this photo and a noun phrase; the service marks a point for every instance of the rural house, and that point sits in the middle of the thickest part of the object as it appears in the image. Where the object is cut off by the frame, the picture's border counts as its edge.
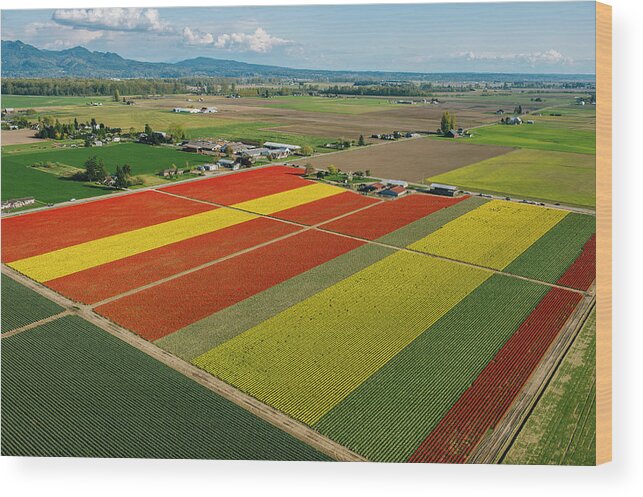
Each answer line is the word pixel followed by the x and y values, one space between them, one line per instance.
pixel 274 146
pixel 440 189
pixel 393 191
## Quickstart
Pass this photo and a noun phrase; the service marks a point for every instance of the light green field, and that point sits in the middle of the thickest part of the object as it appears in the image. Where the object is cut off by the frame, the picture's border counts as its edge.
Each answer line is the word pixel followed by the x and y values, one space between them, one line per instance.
pixel 195 125
pixel 562 427
pixel 125 116
pixel 33 102
pixel 332 105
pixel 19 179
pixel 507 100
pixel 537 174
pixel 545 134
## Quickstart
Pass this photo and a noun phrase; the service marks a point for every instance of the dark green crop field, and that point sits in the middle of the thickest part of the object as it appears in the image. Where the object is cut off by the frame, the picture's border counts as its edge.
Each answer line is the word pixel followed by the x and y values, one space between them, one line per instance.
pixel 550 256
pixel 71 389
pixel 22 306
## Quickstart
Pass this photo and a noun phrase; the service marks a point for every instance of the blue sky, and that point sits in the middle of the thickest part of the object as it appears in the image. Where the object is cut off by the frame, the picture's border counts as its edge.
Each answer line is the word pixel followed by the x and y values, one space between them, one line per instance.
pixel 547 37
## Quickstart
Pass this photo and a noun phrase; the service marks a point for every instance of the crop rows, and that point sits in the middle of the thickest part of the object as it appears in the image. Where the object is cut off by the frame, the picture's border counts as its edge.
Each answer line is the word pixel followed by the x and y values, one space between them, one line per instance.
pixel 211 331
pixel 564 419
pixel 482 406
pixel 113 278
pixel 276 202
pixel 45 231
pixel 241 187
pixel 387 217
pixel 424 226
pixel 582 272
pixel 307 359
pixel 22 306
pixel 550 256
pixel 52 265
pixel 70 389
pixel 388 416
pixel 324 209
pixel 172 305
pixel 492 235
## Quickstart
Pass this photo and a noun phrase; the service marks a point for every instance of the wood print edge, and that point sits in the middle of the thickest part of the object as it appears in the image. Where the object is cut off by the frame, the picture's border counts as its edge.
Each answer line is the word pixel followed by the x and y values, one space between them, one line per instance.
pixel 603 233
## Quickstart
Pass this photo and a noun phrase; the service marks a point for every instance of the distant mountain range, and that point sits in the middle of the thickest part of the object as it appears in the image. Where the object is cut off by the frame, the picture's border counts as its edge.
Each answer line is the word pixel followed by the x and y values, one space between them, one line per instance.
pixel 20 60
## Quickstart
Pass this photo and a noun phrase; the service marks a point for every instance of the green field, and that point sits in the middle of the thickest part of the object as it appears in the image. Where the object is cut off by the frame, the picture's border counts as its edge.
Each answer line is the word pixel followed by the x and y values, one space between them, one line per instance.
pixel 537 174
pixel 332 105
pixel 196 125
pixel 22 306
pixel 19 179
pixel 388 416
pixel 126 117
pixel 508 100
pixel 562 427
pixel 71 389
pixel 550 256
pixel 544 134
pixel 33 101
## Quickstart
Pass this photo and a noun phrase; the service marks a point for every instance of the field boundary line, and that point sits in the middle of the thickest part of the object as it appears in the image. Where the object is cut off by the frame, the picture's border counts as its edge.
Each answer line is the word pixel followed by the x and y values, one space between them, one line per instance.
pixel 263 411
pixel 194 269
pixel 35 324
pixel 318 227
pixel 495 445
pixel 205 265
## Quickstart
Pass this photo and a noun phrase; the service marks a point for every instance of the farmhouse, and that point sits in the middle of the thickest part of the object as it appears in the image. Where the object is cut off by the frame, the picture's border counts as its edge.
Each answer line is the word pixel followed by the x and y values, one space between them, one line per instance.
pixel 279 153
pixel 229 163
pixel 201 146
pixel 514 121
pixel 393 191
pixel 372 188
pixel 452 133
pixel 235 147
pixel 396 182
pixel 275 145
pixel 16 202
pixel 446 190
pixel 255 153
pixel 210 167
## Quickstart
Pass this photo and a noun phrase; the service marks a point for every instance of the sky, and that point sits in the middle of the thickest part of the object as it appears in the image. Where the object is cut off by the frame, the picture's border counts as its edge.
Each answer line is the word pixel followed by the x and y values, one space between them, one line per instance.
pixel 540 37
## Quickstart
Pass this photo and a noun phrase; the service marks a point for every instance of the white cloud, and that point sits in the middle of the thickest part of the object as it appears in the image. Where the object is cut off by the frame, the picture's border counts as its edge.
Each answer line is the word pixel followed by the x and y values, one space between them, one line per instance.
pixel 259 41
pixel 55 37
pixel 196 37
pixel 549 57
pixel 114 19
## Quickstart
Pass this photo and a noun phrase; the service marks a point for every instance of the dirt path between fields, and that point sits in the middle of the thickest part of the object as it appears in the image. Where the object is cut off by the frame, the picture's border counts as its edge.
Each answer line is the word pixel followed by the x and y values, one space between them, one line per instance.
pixel 34 324
pixel 261 410
pixel 496 444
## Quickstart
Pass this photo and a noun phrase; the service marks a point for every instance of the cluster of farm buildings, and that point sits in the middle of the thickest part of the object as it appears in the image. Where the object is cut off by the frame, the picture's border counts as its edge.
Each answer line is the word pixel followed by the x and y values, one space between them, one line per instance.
pixel 234 154
pixel 192 110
